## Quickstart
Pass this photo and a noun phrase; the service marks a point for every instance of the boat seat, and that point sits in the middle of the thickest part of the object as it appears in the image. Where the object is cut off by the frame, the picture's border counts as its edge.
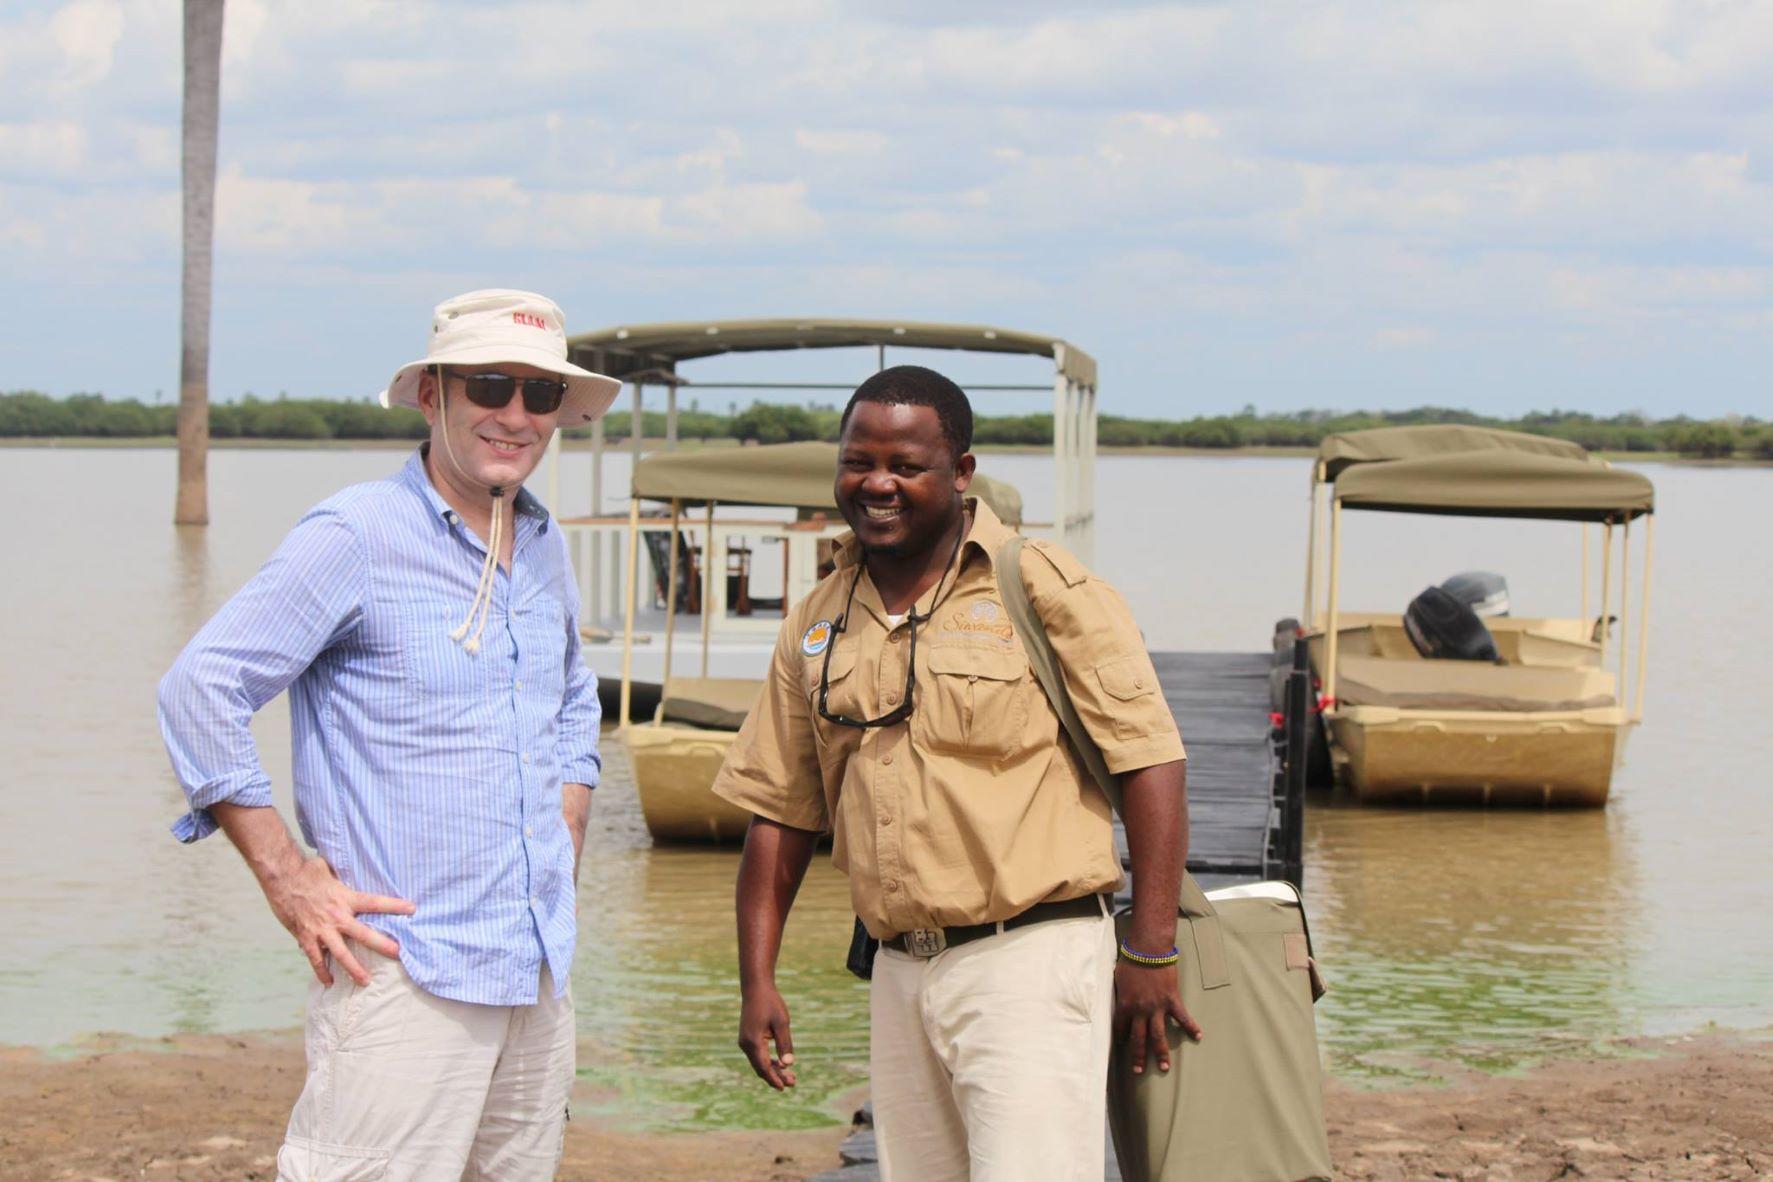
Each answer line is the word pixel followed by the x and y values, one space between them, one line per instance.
pixel 1423 684
pixel 713 703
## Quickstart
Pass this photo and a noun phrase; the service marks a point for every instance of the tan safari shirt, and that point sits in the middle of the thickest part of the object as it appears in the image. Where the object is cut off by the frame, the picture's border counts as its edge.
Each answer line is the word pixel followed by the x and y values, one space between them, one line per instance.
pixel 972 810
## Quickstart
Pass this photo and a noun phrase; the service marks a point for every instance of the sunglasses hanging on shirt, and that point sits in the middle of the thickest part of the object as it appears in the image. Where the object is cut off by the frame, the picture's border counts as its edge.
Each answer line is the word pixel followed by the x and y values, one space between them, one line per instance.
pixel 913 619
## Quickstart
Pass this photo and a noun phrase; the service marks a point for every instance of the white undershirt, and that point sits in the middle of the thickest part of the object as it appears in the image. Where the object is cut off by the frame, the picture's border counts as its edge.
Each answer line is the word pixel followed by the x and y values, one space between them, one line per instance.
pixel 894 621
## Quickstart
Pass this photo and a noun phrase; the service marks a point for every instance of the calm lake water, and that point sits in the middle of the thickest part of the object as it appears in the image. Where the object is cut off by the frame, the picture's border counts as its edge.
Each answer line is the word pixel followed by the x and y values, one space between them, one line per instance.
pixel 1451 938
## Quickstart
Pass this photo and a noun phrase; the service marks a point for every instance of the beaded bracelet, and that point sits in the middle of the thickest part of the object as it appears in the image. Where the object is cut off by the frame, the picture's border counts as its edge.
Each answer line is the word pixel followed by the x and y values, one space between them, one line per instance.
pixel 1151 962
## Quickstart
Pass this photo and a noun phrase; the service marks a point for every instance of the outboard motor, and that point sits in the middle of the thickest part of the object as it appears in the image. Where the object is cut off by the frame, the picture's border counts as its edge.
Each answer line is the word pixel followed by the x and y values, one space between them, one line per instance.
pixel 1443 628
pixel 1485 592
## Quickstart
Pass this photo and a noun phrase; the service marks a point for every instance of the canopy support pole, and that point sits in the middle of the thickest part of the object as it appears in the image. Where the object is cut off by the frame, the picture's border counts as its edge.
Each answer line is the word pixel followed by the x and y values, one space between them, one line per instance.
pixel 628 610
pixel 1644 628
pixel 636 423
pixel 671 418
pixel 1329 675
pixel 707 586
pixel 1062 454
pixel 1087 477
pixel 670 598
pixel 1606 588
pixel 1584 613
pixel 1305 620
pixel 1624 609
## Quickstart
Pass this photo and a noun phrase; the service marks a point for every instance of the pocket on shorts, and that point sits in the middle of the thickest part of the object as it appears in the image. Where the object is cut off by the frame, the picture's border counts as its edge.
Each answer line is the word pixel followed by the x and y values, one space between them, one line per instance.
pixel 316 1161
pixel 346 995
pixel 1079 964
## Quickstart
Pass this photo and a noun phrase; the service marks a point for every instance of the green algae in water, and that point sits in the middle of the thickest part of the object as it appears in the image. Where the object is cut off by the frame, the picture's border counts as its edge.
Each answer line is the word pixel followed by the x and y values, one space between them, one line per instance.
pixel 657 989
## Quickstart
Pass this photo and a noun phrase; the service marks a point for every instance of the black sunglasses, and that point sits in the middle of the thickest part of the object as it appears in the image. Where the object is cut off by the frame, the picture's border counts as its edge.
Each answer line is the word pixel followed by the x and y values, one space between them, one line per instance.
pixel 903 710
pixel 541 396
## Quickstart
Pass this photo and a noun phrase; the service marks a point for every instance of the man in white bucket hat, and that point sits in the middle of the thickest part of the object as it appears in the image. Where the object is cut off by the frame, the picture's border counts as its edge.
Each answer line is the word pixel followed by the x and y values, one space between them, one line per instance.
pixel 445 748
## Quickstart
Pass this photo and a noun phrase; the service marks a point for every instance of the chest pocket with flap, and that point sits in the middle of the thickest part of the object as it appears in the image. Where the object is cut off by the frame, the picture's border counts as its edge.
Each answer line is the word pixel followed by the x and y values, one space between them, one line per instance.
pixel 976 703
pixel 841 694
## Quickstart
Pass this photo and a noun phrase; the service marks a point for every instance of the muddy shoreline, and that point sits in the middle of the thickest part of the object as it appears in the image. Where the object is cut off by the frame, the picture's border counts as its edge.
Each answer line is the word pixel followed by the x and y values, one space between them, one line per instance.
pixel 208 1108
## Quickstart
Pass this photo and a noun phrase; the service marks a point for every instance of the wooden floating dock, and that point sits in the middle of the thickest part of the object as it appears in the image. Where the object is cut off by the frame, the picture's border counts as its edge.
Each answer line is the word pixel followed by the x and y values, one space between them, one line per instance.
pixel 1245 811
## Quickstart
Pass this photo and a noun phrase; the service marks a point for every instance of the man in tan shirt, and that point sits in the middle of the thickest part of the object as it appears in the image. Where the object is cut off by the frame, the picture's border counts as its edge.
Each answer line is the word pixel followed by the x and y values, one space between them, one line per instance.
pixel 902 716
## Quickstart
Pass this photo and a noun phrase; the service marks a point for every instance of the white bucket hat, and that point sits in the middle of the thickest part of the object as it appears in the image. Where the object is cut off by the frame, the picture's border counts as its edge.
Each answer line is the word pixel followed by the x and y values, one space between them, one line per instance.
pixel 499 326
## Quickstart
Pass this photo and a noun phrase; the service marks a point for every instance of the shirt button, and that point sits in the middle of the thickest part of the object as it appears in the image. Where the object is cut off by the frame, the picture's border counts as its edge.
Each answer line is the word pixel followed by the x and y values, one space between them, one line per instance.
pixel 529 831
pixel 520 683
pixel 454 519
pixel 886 759
pixel 525 757
pixel 886 818
pixel 896 637
pixel 535 901
pixel 891 884
pixel 892 699
pixel 972 677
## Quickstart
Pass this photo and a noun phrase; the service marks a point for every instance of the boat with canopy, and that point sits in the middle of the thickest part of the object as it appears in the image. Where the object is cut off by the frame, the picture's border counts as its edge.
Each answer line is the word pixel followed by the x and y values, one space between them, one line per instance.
pixel 726 509
pixel 1436 704
pixel 737 584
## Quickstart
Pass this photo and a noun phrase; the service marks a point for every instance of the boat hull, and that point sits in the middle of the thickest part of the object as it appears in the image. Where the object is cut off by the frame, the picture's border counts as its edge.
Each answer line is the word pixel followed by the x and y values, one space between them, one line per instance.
pixel 1551 759
pixel 674 768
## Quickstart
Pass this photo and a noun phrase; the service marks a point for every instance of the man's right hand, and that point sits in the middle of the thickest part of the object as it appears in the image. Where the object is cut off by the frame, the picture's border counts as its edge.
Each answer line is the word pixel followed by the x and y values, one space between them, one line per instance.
pixel 321 913
pixel 763 1019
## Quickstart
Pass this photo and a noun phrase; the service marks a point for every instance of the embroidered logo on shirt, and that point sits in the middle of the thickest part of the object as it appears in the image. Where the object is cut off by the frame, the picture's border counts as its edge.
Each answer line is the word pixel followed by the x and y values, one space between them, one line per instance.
pixel 983 621
pixel 816 638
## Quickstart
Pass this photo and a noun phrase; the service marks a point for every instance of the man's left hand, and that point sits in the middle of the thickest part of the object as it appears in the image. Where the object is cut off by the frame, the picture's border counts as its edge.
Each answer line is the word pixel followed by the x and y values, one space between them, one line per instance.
pixel 1146 999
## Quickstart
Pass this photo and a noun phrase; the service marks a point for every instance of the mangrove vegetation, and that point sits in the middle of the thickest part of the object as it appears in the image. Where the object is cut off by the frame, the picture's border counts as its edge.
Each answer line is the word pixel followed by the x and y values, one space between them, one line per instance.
pixel 31 415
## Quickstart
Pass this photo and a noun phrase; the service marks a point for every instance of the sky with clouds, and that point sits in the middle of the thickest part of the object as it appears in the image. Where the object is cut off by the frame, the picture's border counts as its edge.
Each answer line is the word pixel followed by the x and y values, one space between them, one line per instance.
pixel 1503 205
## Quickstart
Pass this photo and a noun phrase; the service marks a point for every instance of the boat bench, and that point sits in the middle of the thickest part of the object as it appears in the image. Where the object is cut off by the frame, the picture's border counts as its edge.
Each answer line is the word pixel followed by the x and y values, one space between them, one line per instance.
pixel 1416 683
pixel 714 703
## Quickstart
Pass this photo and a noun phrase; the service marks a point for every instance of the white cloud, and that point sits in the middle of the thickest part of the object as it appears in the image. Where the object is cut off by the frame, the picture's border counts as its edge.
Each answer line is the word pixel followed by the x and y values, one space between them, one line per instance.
pixel 40 148
pixel 1404 337
pixel 848 142
pixel 1293 192
pixel 86 33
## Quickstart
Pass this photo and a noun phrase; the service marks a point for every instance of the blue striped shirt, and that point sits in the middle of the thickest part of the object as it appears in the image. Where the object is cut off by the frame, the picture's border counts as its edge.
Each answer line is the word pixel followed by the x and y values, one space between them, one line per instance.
pixel 420 770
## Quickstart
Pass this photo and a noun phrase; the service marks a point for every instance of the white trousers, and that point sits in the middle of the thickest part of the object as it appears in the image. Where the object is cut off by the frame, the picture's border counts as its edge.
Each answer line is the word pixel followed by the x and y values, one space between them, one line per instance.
pixel 403 1085
pixel 989 1061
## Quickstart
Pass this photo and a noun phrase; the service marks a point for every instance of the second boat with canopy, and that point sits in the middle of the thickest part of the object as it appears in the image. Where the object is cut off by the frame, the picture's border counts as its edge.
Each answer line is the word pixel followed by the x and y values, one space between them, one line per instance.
pixel 1437 704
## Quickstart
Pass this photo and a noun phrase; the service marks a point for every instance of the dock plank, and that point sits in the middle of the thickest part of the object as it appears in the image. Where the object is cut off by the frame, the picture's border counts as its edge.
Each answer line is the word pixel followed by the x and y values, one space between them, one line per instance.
pixel 1221 704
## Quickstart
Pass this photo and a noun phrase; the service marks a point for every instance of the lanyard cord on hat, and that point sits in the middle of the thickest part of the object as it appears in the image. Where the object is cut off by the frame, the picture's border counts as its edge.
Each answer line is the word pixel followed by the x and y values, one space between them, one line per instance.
pixel 495 538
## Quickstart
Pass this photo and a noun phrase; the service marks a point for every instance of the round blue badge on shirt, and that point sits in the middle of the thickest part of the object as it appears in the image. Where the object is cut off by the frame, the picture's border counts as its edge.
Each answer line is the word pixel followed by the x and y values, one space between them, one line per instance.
pixel 816 639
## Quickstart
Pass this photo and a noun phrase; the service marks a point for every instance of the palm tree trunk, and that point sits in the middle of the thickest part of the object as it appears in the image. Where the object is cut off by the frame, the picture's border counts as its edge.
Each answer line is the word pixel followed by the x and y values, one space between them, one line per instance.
pixel 203 81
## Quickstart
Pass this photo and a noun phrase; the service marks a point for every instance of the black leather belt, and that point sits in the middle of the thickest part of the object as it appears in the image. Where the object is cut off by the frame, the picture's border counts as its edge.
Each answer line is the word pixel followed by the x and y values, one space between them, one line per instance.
pixel 927 942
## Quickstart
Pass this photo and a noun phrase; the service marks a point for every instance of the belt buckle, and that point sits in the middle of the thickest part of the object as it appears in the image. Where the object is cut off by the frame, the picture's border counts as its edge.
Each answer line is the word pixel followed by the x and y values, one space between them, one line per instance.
pixel 925 942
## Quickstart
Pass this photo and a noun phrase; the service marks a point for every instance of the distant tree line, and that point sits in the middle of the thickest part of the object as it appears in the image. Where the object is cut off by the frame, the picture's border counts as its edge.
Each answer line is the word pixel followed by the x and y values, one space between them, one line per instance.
pixel 31 415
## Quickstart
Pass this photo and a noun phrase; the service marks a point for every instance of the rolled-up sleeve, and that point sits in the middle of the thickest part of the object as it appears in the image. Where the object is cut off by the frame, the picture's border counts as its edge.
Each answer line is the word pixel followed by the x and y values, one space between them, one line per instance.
pixel 581 714
pixel 772 768
pixel 1107 670
pixel 305 599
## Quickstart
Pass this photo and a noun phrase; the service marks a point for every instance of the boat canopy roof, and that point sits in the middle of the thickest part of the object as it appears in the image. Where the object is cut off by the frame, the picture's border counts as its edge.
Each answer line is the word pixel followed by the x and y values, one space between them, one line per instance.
pixel 1345 449
pixel 1499 483
pixel 796 475
pixel 630 350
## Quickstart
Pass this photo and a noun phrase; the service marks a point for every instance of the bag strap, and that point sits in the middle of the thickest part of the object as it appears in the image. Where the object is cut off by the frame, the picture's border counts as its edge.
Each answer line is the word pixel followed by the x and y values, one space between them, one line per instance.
pixel 1045 662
